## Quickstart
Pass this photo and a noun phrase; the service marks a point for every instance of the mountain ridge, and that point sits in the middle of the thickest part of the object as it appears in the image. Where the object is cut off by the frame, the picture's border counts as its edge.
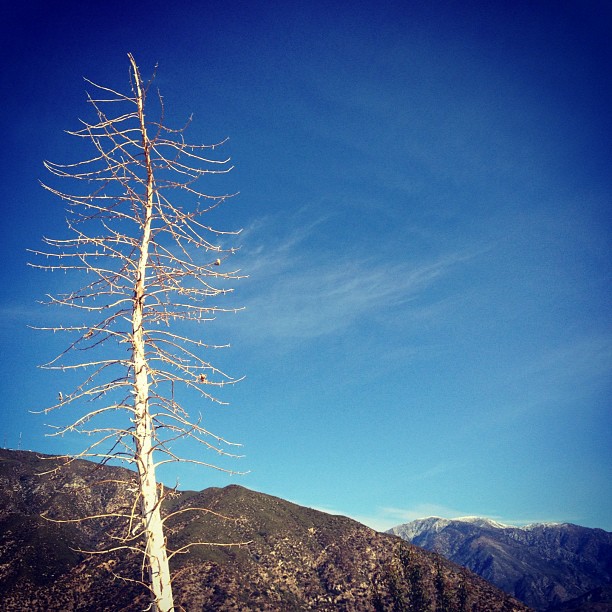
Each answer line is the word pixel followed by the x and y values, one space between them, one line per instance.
pixel 546 565
pixel 281 556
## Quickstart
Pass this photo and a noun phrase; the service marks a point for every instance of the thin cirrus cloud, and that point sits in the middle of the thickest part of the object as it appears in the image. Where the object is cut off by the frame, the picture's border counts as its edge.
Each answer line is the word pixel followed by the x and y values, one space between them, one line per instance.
pixel 305 295
pixel 388 517
pixel 565 375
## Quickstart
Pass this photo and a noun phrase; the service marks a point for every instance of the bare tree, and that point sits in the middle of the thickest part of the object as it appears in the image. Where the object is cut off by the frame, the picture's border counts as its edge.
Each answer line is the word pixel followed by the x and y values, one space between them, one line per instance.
pixel 150 260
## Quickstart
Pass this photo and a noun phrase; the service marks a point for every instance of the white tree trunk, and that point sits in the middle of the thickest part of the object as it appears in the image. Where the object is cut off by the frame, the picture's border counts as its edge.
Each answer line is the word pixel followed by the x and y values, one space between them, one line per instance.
pixel 156 553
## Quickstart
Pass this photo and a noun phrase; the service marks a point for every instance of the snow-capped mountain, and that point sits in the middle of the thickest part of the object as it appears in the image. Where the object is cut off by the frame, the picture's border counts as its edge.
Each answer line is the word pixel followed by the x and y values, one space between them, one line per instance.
pixel 435 524
pixel 543 564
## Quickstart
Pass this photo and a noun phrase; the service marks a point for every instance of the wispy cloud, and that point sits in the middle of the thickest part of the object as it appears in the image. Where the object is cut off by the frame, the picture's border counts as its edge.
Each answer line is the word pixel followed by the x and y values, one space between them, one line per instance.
pixel 555 379
pixel 434 471
pixel 385 518
pixel 305 294
pixel 423 510
pixel 579 359
pixel 21 315
pixel 322 299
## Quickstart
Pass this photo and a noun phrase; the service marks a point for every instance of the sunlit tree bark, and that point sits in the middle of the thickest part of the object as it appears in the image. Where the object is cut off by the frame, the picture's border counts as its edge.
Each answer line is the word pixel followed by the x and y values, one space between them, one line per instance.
pixel 138 233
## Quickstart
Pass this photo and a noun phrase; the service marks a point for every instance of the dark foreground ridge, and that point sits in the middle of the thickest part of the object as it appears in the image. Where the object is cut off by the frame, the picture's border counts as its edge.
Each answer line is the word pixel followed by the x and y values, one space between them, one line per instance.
pixel 296 559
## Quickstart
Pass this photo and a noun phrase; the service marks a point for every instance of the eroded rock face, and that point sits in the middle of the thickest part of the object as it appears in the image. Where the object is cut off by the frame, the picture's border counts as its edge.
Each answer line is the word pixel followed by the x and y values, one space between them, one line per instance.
pixel 281 556
pixel 542 564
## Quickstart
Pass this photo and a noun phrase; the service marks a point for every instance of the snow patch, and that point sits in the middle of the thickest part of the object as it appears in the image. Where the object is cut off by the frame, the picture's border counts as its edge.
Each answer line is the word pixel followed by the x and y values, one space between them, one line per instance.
pixel 435 524
pixel 480 521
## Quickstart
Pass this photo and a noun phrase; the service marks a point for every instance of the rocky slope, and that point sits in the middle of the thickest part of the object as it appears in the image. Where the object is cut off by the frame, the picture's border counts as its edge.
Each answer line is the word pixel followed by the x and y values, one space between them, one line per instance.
pixel 283 556
pixel 544 565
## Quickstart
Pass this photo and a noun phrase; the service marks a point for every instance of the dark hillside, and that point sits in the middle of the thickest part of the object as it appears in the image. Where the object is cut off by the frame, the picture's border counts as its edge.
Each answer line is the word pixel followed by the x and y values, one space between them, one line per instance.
pixel 296 558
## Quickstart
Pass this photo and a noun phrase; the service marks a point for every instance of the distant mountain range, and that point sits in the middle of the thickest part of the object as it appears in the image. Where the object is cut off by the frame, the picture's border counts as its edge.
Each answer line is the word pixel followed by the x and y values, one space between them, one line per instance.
pixel 548 566
pixel 292 558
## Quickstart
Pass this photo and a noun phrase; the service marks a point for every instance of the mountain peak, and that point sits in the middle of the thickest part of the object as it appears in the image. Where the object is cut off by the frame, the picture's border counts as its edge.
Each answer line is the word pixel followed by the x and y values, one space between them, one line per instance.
pixel 546 565
pixel 435 524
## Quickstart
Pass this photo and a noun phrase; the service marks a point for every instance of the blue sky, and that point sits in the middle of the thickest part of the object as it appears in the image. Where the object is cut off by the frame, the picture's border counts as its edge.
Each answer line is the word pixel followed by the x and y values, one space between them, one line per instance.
pixel 425 199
